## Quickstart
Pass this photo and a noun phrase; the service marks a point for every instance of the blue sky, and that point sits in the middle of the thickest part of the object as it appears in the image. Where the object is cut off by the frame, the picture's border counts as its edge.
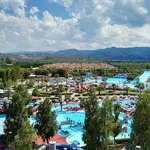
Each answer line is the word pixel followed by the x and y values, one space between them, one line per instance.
pixel 42 25
pixel 54 9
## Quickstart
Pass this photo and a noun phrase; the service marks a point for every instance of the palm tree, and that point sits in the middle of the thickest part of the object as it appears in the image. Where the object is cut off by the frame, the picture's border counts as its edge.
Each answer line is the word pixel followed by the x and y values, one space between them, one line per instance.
pixel 66 77
pixel 38 81
pixel 42 80
pixel 46 80
pixel 78 81
pixel 60 90
pixel 81 81
pixel 113 87
pixel 100 88
pixel 8 93
pixel 57 76
pixel 127 89
pixel 117 125
pixel 95 77
pixel 141 87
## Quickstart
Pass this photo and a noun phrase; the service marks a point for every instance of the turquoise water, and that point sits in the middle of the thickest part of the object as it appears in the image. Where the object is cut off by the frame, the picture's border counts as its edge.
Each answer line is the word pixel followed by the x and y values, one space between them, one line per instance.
pixel 89 80
pixel 144 76
pixel 75 120
pixel 92 80
pixel 31 104
pixel 2 119
pixel 75 117
pixel 99 79
pixel 76 136
pixel 120 78
pixel 141 79
pixel 116 80
pixel 76 131
pixel 57 107
pixel 121 75
pixel 131 85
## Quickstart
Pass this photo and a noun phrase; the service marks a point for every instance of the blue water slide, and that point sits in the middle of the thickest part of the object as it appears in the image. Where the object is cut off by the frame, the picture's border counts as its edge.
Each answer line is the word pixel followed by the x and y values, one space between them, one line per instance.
pixel 73 146
pixel 121 75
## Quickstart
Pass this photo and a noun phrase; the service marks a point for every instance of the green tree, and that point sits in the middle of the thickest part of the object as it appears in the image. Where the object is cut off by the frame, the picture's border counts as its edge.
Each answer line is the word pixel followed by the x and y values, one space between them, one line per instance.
pixel 24 138
pixel 8 93
pixel 113 87
pixel 41 71
pixel 98 122
pixel 106 123
pixel 26 73
pixel 141 122
pixel 127 89
pixel 46 121
pixel 30 83
pixel 78 82
pixel 8 60
pixel 60 90
pixel 141 87
pixel 16 73
pixel 38 80
pixel 6 78
pixel 117 124
pixel 81 80
pixel 147 66
pixel 100 88
pixel 23 92
pixel 91 136
pixel 66 78
pixel 16 113
pixel 57 76
pixel 36 92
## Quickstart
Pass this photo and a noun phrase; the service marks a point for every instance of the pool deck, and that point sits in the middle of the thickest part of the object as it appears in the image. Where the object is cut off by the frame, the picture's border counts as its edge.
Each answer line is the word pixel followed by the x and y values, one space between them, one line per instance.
pixel 57 138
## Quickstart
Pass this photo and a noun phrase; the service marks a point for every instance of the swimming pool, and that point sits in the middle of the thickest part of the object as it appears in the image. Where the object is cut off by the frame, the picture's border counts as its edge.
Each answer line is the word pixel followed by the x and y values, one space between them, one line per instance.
pixel 75 127
pixel 93 80
pixel 116 80
pixel 2 119
pixel 57 107
pixel 75 121
pixel 76 136
pixel 75 117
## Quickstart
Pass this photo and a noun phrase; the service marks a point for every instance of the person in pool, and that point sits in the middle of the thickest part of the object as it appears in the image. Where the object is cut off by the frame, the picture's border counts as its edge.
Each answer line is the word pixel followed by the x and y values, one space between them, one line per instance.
pixel 67 133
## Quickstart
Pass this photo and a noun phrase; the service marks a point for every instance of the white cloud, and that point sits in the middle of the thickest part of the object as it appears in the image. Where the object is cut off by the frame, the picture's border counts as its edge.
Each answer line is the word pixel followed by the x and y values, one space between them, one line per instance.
pixel 65 3
pixel 17 6
pixel 93 24
pixel 34 10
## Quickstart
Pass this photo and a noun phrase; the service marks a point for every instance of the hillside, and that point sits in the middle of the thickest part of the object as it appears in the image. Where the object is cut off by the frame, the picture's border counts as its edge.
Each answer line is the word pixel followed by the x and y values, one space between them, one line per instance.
pixel 135 53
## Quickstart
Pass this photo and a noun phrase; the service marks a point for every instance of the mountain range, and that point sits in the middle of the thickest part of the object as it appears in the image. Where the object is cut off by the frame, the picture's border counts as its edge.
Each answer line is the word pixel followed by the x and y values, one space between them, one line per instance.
pixel 113 53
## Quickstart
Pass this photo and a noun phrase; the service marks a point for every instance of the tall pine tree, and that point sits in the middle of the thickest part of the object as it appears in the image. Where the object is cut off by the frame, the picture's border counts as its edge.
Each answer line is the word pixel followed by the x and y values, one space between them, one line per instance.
pixel 91 136
pixel 141 122
pixel 117 123
pixel 16 113
pixel 46 121
pixel 98 122
pixel 24 138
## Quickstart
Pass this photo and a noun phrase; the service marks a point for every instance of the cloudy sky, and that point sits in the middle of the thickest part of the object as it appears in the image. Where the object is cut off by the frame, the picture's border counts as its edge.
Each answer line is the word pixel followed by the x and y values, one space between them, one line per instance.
pixel 36 25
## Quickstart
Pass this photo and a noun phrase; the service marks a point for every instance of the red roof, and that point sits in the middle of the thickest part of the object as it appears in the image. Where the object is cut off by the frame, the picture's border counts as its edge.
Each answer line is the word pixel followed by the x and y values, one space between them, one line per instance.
pixel 57 138
pixel 35 97
pixel 78 65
